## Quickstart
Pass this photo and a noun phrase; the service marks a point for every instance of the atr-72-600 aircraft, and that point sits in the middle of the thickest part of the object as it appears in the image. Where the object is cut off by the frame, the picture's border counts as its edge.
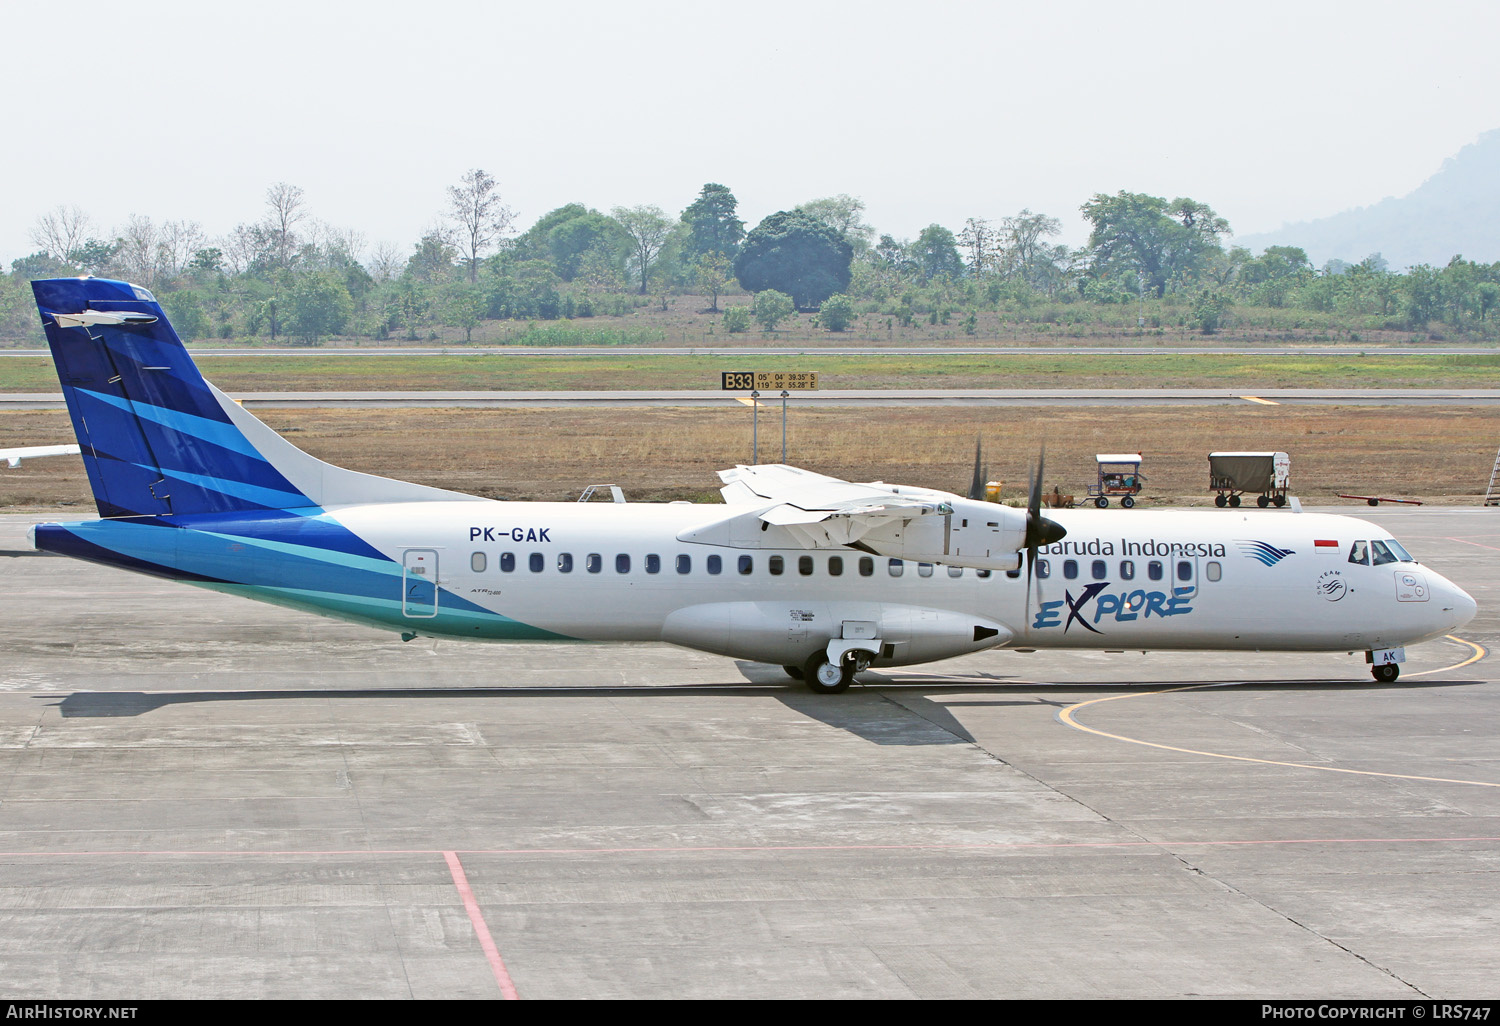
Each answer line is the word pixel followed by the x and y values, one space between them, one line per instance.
pixel 822 576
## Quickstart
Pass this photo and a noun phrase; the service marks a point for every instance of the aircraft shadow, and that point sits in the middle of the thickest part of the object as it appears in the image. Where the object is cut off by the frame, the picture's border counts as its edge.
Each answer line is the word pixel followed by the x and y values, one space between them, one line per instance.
pixel 879 709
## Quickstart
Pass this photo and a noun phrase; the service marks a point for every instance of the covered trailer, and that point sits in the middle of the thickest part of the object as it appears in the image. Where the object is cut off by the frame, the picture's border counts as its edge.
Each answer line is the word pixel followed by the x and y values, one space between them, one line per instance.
pixel 1267 475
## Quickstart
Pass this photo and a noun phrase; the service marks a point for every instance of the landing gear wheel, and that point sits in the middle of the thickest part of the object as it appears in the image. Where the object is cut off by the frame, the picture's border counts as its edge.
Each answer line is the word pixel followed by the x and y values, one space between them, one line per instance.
pixel 1101 502
pixel 825 678
pixel 1221 500
pixel 794 672
pixel 1386 673
pixel 1128 502
pixel 1280 501
pixel 1262 501
pixel 1234 500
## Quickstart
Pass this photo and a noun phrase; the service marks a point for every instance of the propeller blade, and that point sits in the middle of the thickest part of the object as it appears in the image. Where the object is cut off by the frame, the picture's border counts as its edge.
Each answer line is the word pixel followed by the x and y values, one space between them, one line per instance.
pixel 1039 530
pixel 976 487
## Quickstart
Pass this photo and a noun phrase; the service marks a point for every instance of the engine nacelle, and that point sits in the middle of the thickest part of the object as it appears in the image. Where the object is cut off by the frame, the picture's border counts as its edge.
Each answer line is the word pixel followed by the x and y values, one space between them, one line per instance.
pixel 982 535
pixel 786 632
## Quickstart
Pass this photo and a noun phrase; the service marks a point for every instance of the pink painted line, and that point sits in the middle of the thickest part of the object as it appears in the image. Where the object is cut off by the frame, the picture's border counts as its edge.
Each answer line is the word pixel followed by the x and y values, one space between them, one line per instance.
pixel 476 919
pixel 1481 545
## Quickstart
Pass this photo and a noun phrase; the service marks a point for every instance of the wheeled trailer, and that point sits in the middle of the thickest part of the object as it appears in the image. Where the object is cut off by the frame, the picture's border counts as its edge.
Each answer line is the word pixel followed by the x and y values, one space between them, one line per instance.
pixel 1119 475
pixel 1233 474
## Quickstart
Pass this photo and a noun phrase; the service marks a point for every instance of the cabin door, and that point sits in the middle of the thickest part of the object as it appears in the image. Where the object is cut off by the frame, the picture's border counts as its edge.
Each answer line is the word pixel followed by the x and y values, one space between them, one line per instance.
pixel 419 582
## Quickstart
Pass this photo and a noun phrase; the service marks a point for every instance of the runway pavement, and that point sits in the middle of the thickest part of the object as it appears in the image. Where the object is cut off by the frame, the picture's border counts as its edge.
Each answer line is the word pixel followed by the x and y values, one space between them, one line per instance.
pixel 849 397
pixel 203 797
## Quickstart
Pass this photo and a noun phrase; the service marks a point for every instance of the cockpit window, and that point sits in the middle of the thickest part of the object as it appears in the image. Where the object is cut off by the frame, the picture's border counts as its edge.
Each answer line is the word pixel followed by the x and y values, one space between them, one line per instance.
pixel 1381 553
pixel 1400 552
pixel 1359 552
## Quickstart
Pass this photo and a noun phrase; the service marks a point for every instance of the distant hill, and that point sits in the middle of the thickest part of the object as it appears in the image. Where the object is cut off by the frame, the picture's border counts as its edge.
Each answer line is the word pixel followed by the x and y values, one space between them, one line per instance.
pixel 1455 211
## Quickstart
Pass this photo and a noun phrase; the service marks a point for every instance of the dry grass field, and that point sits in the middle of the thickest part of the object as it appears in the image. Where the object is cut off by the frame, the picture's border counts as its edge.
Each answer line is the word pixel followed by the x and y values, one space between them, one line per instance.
pixel 1434 454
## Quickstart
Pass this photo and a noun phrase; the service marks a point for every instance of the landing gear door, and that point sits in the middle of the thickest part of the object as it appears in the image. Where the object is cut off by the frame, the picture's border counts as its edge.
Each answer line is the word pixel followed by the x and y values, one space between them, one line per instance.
pixel 419 582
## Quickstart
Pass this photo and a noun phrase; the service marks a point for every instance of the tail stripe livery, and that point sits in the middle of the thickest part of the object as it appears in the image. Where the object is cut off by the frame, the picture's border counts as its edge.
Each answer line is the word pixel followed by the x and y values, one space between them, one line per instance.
pixel 188 482
pixel 159 440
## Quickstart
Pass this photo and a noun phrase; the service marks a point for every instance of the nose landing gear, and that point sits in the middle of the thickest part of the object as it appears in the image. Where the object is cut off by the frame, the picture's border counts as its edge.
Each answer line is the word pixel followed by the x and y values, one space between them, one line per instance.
pixel 1385 664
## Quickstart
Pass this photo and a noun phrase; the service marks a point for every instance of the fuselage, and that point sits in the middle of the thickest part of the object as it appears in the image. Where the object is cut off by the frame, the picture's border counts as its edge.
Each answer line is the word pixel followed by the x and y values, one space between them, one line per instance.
pixel 491 570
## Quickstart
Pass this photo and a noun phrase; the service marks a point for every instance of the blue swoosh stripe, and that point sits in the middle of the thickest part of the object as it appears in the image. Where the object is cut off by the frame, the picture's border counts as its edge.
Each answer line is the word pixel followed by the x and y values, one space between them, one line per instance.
pixel 226 436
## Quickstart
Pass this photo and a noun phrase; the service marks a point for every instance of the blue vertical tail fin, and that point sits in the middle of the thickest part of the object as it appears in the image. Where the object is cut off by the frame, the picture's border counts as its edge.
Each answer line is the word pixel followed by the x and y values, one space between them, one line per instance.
pixel 159 440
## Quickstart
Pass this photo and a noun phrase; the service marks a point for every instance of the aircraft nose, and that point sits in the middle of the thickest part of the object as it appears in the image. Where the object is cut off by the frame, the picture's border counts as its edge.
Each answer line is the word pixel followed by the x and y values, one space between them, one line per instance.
pixel 1458 604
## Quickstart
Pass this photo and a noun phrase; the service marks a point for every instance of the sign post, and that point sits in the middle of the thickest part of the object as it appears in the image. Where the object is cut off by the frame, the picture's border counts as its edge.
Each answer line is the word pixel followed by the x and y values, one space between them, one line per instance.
pixel 785 382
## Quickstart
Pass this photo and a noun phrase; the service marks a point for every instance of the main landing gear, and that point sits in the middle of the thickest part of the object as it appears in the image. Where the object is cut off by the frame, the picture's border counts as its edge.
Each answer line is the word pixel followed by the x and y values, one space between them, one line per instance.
pixel 1386 674
pixel 825 678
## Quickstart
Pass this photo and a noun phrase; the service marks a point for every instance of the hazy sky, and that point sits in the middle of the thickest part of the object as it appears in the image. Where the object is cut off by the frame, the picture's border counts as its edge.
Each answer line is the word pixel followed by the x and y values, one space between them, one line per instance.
pixel 930 112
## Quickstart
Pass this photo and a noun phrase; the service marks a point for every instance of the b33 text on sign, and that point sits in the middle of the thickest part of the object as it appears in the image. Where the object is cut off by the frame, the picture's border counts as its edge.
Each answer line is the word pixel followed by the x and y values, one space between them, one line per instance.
pixel 768 381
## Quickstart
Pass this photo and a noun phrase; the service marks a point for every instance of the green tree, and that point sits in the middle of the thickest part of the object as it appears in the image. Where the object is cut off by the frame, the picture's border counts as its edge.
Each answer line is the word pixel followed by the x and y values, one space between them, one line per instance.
pixel 736 319
pixel 936 254
pixel 433 257
pixel 712 276
pixel 318 305
pixel 712 226
pixel 462 305
pixel 772 307
pixel 648 230
pixel 797 254
pixel 532 244
pixel 845 215
pixel 480 217
pixel 837 312
pixel 571 242
pixel 1169 243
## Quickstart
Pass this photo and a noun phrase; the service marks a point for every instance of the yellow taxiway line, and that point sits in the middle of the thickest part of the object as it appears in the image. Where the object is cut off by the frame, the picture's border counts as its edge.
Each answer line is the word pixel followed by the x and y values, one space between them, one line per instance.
pixel 1067 716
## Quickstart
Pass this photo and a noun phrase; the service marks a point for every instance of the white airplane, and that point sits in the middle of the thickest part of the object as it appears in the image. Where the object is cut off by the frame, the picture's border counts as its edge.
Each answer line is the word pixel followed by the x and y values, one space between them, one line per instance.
pixel 821 576
pixel 13 457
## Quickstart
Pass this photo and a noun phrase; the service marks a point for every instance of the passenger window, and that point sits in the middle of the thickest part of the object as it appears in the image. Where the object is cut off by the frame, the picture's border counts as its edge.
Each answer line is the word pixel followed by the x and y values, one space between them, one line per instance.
pixel 897 567
pixel 1099 570
pixel 983 573
pixel 1154 570
pixel 1127 569
pixel 1213 571
pixel 536 562
pixel 924 569
pixel 715 564
pixel 653 563
pixel 866 566
pixel 1359 552
pixel 774 565
pixel 622 564
pixel 565 562
pixel 507 561
pixel 684 564
pixel 747 564
pixel 1380 554
pixel 1184 570
pixel 477 562
pixel 1070 568
pixel 955 571
pixel 835 566
pixel 593 563
pixel 805 565
pixel 1043 568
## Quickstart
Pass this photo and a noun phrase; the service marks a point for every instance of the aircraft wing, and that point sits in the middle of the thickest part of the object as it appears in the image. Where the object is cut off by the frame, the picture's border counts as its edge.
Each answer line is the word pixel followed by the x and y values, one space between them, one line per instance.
pixel 13 457
pixel 808 498
pixel 798 507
